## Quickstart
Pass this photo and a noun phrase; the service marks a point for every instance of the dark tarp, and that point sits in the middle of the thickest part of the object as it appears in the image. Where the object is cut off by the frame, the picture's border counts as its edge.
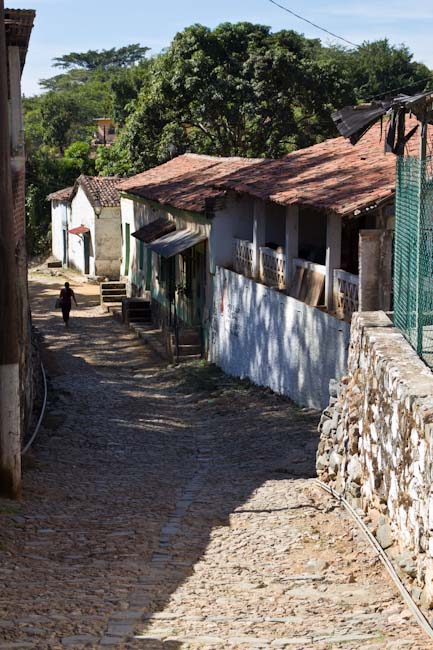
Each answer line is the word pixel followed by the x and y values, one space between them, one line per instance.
pixel 177 242
pixel 154 230
pixel 354 121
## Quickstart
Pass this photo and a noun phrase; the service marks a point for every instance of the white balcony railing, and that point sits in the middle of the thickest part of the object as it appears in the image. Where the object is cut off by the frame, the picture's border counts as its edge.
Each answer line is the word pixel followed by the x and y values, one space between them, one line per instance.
pixel 346 293
pixel 308 277
pixel 243 257
pixel 272 266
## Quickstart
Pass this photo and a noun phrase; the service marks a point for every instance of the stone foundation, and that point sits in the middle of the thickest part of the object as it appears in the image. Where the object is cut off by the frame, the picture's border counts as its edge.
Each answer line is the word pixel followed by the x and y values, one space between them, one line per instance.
pixel 376 445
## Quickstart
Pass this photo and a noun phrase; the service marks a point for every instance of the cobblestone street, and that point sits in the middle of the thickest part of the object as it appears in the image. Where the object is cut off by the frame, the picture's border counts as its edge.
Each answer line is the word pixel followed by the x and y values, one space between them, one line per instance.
pixel 170 508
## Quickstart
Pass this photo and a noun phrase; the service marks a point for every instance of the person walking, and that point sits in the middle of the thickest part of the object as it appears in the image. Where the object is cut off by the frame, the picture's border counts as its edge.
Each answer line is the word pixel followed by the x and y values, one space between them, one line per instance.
pixel 66 296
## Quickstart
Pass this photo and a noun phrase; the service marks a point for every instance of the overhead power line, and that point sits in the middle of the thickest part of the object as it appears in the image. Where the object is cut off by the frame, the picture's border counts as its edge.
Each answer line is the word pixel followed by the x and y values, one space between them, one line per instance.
pixel 290 11
pixel 341 38
pixel 395 90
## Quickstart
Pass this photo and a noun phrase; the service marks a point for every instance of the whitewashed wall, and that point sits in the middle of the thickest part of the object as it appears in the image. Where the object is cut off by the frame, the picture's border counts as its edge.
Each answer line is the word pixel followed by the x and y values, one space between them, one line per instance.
pixel 235 220
pixel 275 340
pixel 82 213
pixel 137 214
pixel 59 223
pixel 108 247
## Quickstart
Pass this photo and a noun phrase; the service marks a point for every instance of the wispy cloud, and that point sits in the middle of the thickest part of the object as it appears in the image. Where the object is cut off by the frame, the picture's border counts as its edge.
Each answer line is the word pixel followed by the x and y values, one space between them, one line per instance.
pixel 380 11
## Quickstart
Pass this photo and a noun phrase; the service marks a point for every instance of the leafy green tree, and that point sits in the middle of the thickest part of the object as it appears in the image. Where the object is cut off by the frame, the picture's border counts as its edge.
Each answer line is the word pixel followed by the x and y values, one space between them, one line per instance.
pixel 123 57
pixel 234 90
pixel 45 174
pixel 379 68
pixel 59 113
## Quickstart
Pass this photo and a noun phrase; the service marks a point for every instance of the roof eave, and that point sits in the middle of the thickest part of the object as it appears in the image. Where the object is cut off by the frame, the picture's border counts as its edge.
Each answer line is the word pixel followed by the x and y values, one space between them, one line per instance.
pixel 181 212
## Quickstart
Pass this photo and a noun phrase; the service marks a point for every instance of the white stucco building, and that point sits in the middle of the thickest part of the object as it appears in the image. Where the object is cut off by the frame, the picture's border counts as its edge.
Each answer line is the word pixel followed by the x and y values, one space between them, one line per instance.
pixel 86 230
pixel 60 215
pixel 268 259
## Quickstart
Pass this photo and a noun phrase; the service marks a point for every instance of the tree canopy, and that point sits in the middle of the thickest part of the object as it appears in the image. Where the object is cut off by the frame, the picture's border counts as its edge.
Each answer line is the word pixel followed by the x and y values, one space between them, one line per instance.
pixel 238 89
pixel 122 57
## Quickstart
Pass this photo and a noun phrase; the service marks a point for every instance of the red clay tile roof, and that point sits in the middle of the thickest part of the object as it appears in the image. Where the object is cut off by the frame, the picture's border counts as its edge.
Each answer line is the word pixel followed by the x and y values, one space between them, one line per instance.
pixel 79 230
pixel 333 175
pixel 102 189
pixel 61 195
pixel 186 182
pixel 18 27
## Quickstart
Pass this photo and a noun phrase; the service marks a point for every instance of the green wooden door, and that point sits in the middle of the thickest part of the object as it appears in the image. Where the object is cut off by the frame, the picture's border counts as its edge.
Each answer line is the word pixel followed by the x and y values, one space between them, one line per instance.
pixel 127 248
pixel 148 268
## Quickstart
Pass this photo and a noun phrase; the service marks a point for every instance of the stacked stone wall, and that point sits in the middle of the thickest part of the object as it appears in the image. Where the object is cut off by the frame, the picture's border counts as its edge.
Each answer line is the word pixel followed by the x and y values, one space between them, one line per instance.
pixel 376 445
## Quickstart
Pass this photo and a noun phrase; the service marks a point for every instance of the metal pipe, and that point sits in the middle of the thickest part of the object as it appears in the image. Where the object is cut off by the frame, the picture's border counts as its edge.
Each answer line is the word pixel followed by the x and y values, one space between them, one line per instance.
pixel 41 417
pixel 417 613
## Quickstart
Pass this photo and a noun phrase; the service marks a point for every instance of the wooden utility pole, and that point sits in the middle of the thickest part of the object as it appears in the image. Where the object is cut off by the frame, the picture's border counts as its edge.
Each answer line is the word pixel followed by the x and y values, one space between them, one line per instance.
pixel 10 429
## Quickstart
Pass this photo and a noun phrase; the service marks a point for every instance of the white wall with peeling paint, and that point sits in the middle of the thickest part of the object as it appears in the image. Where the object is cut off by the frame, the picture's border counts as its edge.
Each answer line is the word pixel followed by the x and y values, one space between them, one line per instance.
pixel 275 340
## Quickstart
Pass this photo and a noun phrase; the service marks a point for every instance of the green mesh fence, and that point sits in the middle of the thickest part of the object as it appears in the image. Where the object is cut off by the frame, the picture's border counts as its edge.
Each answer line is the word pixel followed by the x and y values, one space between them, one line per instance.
pixel 413 254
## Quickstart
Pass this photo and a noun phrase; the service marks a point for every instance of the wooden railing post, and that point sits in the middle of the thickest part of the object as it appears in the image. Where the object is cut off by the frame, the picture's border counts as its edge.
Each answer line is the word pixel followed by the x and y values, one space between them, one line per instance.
pixel 291 242
pixel 259 235
pixel 333 256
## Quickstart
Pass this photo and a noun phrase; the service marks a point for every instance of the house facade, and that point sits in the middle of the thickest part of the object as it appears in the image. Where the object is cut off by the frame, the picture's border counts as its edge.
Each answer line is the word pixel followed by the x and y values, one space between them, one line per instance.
pixel 269 258
pixel 175 232
pixel 105 131
pixel 86 232
pixel 60 218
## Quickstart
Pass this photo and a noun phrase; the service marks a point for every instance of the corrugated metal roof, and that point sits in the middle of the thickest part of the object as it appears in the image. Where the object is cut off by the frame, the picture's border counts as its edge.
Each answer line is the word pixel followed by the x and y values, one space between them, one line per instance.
pixel 154 230
pixel 177 242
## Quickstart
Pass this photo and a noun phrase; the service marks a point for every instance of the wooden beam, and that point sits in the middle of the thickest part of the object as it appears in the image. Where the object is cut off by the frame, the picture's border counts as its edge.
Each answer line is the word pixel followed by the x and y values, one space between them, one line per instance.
pixel 291 243
pixel 259 233
pixel 333 256
pixel 15 103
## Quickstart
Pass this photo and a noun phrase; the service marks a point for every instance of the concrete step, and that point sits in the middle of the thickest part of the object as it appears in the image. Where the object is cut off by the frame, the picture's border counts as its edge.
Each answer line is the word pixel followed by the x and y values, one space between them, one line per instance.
pixel 138 301
pixel 113 291
pixel 145 311
pixel 113 298
pixel 113 285
pixel 188 337
pixel 186 350
pixel 140 319
pixel 189 357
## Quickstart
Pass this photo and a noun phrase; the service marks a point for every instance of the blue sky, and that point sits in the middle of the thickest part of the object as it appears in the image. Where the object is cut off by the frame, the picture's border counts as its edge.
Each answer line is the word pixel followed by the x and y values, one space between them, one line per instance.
pixel 63 26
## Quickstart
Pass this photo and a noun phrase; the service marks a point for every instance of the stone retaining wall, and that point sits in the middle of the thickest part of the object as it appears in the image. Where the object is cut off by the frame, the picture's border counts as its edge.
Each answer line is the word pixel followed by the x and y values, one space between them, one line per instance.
pixel 376 445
